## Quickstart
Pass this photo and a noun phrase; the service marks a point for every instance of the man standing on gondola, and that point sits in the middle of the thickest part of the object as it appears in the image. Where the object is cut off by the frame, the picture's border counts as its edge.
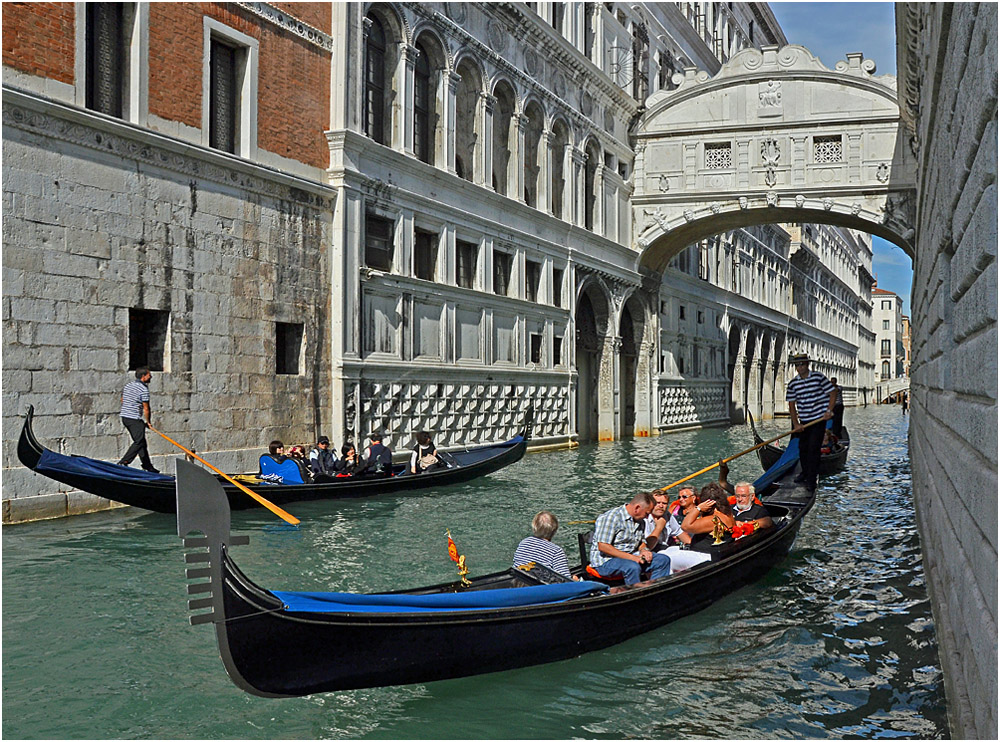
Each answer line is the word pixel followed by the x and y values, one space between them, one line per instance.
pixel 810 397
pixel 136 417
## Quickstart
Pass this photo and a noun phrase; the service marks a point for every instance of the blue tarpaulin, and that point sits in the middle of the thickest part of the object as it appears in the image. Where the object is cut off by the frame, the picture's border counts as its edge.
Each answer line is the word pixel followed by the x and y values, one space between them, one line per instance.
pixel 783 465
pixel 470 601
pixel 51 462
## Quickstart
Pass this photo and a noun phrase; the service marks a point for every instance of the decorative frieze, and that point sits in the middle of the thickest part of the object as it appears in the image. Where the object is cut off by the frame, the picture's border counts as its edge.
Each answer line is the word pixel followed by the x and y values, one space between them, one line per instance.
pixel 290 24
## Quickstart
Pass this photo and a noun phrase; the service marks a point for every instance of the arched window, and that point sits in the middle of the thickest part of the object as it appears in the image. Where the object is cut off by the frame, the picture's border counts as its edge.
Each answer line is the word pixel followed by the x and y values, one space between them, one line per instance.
pixel 423 107
pixel 533 154
pixel 375 79
pixel 590 186
pixel 503 111
pixel 466 121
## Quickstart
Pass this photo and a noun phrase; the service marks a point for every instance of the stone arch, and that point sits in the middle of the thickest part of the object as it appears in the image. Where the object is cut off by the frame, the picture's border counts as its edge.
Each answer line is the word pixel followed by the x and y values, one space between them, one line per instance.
pixel 504 137
pixel 635 403
pixel 775 136
pixel 751 354
pixel 468 123
pixel 384 36
pixel 592 315
pixel 735 371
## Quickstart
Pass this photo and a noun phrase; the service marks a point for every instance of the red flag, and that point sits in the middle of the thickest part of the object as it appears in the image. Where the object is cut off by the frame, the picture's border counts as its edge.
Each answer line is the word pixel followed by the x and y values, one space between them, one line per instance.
pixel 452 549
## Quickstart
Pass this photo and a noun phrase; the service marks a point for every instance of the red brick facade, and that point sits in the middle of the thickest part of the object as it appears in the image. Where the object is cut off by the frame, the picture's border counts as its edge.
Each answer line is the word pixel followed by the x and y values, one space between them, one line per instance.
pixel 293 85
pixel 39 38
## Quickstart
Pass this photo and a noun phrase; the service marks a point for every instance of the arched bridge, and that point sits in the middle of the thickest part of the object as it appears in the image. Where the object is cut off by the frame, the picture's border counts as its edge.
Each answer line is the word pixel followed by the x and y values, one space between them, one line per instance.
pixel 775 136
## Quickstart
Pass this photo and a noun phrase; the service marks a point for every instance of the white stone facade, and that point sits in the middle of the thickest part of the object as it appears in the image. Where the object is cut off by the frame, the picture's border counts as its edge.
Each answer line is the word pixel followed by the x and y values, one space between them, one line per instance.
pixel 887 318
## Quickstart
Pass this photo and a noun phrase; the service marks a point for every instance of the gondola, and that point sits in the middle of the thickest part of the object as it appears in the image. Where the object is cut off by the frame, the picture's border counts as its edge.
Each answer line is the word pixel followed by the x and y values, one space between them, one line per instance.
pixel 156 492
pixel 276 643
pixel 829 463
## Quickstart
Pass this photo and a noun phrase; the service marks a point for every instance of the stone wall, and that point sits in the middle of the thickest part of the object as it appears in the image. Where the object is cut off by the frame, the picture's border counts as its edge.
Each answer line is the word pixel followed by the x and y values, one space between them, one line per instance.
pixel 101 218
pixel 948 77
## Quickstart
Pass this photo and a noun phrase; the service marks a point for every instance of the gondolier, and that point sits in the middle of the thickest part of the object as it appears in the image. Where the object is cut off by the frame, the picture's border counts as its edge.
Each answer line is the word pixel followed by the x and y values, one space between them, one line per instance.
pixel 135 416
pixel 810 397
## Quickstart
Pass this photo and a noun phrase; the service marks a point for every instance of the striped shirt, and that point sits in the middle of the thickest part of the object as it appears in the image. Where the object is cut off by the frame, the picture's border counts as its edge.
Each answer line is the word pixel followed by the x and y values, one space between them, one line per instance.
pixel 811 396
pixel 540 551
pixel 132 398
pixel 619 529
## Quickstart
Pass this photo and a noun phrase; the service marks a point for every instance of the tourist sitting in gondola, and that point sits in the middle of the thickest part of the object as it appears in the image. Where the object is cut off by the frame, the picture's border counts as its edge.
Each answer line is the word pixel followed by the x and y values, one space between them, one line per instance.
pixel 277 450
pixel 425 455
pixel 322 461
pixel 376 459
pixel 747 509
pixel 830 442
pixel 664 534
pixel 539 548
pixel 619 547
pixel 277 468
pixel 711 512
pixel 347 464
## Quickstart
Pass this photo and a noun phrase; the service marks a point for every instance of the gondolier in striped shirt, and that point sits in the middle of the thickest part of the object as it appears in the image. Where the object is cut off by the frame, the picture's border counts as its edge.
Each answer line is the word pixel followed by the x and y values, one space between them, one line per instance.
pixel 136 417
pixel 810 397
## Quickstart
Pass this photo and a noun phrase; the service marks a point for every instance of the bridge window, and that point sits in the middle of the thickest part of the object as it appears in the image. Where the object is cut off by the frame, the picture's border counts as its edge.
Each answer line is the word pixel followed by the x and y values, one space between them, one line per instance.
pixel 719 156
pixel 828 149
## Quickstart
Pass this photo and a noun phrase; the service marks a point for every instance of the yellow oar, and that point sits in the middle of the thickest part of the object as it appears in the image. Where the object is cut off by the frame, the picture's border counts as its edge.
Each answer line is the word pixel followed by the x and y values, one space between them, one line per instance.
pixel 287 517
pixel 735 456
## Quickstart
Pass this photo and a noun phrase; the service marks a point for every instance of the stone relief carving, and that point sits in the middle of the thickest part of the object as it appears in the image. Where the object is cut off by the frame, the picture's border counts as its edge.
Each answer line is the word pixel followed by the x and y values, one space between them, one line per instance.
pixel 455 11
pixel 882 173
pixel 856 209
pixel 744 203
pixel 688 215
pixel 716 207
pixel 586 104
pixel 663 184
pixel 772 198
pixel 770 152
pixel 530 57
pixel 559 84
pixel 827 203
pixel 769 95
pixel 800 200
pixel 497 36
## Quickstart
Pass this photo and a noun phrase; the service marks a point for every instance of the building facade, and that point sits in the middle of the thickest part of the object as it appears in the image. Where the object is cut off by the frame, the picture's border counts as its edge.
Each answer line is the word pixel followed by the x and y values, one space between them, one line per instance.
pixel 329 218
pixel 887 314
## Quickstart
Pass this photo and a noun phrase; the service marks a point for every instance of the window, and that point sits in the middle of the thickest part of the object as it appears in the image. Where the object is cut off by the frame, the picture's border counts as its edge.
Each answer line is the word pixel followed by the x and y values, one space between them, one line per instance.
pixel 536 348
pixel 828 149
pixel 885 324
pixel 557 287
pixel 681 315
pixel 558 12
pixel 374 114
pixel 701 317
pixel 425 255
pixel 466 256
pixel 886 348
pixel 106 58
pixel 223 99
pixel 718 156
pixel 287 347
pixel 887 305
pixel 885 370
pixel 680 364
pixel 502 263
pixel 557 342
pixel 147 338
pixel 532 279
pixel 378 243
pixel 423 107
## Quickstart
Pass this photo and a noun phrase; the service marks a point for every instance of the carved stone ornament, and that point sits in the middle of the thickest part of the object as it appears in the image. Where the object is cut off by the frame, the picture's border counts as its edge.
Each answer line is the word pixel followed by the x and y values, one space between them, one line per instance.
pixel 559 84
pixel 455 11
pixel 800 200
pixel 744 203
pixel 882 173
pixel 689 215
pixel 663 184
pixel 772 198
pixel 497 36
pixel 827 203
pixel 716 207
pixel 856 209
pixel 530 57
pixel 609 121
pixel 586 104
pixel 769 94
pixel 770 152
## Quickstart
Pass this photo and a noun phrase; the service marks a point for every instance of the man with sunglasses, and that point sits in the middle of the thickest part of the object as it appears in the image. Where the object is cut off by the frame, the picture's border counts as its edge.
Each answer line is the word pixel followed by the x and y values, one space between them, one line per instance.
pixel 810 397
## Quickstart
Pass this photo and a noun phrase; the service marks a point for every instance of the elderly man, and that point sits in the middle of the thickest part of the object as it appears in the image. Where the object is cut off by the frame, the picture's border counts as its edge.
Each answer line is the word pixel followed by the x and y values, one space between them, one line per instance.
pixel 745 509
pixel 619 548
pixel 811 397
pixel 539 548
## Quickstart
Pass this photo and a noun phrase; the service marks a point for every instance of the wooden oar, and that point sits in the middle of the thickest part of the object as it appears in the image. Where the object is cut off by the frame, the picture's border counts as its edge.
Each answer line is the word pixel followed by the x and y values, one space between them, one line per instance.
pixel 287 517
pixel 736 456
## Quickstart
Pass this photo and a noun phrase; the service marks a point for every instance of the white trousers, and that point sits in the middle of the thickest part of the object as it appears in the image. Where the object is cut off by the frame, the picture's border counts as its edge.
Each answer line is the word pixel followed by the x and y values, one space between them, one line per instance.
pixel 681 559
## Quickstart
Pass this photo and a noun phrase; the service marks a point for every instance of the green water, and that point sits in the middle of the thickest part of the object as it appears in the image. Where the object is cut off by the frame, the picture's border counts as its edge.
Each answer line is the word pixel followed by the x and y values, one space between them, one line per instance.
pixel 837 642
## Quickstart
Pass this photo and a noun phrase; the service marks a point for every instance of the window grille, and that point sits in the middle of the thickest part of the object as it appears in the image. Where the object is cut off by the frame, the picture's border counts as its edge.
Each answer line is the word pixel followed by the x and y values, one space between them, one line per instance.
pixel 719 156
pixel 105 58
pixel 828 149
pixel 223 103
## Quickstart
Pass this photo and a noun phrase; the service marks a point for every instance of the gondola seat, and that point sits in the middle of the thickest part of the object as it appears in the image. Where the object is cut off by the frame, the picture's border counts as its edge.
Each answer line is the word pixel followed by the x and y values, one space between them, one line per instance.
pixel 584 541
pixel 288 471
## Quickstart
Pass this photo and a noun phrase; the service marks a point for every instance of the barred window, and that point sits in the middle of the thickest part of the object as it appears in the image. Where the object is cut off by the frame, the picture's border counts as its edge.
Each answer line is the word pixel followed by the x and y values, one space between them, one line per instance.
pixel 224 97
pixel 105 69
pixel 828 149
pixel 719 156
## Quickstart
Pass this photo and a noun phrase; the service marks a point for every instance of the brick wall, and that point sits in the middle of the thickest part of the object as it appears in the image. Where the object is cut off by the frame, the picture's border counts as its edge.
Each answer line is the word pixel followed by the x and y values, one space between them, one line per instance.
pixel 952 61
pixel 317 15
pixel 38 39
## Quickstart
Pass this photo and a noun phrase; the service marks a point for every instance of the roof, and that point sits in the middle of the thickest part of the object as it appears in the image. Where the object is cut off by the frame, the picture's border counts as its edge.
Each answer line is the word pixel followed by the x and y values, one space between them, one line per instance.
pixel 883 292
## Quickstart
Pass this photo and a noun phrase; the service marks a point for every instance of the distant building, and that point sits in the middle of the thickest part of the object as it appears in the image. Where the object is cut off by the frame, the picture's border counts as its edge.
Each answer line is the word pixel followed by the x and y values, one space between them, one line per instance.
pixel 887 316
pixel 906 345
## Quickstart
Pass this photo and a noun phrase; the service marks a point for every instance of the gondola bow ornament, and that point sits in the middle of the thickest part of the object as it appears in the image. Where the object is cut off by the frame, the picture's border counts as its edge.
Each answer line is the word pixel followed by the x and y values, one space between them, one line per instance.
pixel 458 559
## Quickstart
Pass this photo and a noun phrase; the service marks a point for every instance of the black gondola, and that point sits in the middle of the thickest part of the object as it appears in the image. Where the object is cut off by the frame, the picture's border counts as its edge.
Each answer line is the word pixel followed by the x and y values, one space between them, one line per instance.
pixel 157 491
pixel 829 463
pixel 283 644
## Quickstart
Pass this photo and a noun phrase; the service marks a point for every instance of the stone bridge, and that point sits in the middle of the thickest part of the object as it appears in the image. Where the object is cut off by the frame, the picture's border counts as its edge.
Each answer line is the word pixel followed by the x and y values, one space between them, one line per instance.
pixel 775 136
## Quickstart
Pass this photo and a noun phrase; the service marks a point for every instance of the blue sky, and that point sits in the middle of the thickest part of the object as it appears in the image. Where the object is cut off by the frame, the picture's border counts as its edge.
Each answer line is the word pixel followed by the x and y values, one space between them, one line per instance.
pixel 830 31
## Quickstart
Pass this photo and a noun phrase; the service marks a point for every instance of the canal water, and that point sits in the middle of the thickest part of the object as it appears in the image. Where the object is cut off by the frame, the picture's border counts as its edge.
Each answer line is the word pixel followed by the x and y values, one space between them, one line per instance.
pixel 836 642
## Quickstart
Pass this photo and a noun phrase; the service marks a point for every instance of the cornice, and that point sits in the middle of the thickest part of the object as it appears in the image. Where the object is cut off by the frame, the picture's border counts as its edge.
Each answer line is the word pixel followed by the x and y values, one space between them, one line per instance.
pixel 289 23
pixel 84 128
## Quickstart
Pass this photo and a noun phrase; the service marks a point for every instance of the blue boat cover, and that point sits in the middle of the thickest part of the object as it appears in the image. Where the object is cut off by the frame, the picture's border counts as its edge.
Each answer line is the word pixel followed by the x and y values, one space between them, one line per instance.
pixel 476 600
pixel 51 462
pixel 782 466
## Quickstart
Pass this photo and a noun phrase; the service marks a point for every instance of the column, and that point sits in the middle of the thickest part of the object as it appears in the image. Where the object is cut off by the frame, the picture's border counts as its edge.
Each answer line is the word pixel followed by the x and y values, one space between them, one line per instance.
pixel 516 183
pixel 579 159
pixel 599 201
pixel 608 417
pixel 543 198
pixel 449 91
pixel 485 160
